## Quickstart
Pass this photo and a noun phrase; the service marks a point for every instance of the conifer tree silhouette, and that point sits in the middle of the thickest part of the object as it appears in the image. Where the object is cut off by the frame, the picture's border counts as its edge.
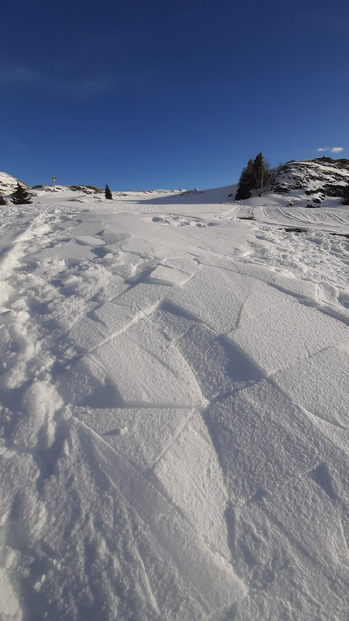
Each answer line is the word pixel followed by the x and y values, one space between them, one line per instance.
pixel 20 196
pixel 108 193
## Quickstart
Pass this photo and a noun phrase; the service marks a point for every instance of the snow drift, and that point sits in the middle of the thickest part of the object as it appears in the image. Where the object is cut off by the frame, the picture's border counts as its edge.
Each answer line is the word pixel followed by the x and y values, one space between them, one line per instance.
pixel 174 407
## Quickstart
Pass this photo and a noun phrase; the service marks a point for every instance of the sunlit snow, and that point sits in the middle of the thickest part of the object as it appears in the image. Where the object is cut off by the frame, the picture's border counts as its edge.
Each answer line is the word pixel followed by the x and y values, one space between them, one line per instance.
pixel 175 429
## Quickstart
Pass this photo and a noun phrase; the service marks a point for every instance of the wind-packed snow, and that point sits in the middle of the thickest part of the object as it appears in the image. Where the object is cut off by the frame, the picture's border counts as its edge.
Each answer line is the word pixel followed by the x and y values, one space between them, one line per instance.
pixel 175 430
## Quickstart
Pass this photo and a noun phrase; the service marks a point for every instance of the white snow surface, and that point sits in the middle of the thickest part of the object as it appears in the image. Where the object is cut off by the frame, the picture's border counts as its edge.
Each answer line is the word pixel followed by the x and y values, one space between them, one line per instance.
pixel 8 184
pixel 174 418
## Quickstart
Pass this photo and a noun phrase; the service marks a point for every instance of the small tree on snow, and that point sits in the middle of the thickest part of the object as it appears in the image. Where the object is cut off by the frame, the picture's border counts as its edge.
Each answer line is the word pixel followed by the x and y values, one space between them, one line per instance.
pixel 20 196
pixel 254 177
pixel 108 193
pixel 346 195
pixel 245 182
pixel 261 172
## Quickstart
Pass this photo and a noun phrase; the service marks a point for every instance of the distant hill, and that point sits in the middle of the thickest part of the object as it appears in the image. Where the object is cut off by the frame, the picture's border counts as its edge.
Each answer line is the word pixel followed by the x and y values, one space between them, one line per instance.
pixel 8 184
pixel 86 189
pixel 308 183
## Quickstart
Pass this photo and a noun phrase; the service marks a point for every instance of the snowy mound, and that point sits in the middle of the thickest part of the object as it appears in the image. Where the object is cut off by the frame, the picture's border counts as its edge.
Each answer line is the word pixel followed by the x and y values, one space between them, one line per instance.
pixel 313 181
pixel 8 183
pixel 85 189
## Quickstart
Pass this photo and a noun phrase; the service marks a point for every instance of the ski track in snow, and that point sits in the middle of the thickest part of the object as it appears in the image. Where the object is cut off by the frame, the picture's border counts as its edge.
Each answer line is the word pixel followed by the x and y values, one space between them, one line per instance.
pixel 174 410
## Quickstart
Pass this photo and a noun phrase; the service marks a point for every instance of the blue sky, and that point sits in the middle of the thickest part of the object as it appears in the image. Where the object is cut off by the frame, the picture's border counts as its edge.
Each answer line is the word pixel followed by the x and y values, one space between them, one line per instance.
pixel 170 94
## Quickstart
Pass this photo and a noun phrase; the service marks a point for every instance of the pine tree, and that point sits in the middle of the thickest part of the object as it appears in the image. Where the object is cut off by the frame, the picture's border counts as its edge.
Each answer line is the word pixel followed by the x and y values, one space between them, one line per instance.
pixel 2 200
pixel 254 177
pixel 261 172
pixel 108 193
pixel 346 195
pixel 245 182
pixel 20 196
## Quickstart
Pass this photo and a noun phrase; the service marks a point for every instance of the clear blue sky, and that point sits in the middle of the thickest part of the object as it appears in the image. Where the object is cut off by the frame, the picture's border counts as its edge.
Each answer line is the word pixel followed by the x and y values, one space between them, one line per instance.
pixel 169 93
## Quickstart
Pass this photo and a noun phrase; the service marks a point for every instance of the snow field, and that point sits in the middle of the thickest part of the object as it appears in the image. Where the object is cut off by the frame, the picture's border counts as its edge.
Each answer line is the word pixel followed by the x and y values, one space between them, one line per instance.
pixel 174 420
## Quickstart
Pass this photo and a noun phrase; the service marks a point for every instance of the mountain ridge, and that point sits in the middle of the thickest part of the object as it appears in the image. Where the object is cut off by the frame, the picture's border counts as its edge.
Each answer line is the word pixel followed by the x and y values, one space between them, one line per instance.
pixel 309 183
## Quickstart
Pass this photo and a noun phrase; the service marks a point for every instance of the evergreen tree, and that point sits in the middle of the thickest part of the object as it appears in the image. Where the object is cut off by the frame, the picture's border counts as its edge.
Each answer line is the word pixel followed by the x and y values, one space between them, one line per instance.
pixel 346 195
pixel 2 200
pixel 20 196
pixel 245 182
pixel 254 177
pixel 108 193
pixel 261 172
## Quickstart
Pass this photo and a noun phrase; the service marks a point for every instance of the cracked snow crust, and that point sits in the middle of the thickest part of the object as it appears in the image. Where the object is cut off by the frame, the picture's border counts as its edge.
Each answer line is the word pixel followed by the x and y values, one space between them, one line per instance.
pixel 174 419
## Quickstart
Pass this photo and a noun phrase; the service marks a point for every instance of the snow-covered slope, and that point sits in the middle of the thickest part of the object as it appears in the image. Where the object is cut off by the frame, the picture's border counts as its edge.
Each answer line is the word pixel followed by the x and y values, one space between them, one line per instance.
pixel 174 408
pixel 8 183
